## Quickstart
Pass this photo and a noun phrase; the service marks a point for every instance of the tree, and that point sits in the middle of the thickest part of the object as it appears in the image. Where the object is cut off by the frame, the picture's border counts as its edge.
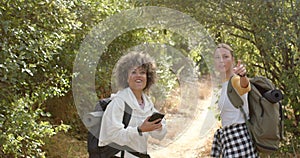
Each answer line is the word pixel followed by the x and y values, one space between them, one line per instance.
pixel 33 33
pixel 38 42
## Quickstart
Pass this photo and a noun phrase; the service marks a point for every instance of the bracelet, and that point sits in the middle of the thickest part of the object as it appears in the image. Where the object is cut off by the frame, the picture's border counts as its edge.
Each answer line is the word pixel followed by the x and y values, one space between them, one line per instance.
pixel 140 131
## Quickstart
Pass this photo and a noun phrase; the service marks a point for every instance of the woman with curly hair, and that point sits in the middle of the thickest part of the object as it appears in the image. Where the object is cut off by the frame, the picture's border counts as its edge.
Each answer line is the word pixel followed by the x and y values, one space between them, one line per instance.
pixel 134 75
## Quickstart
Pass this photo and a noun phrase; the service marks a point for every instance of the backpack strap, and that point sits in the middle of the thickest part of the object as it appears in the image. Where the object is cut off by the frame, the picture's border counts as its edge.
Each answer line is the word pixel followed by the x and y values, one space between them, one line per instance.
pixel 281 109
pixel 233 96
pixel 140 155
pixel 237 102
pixel 130 150
pixel 127 115
pixel 126 119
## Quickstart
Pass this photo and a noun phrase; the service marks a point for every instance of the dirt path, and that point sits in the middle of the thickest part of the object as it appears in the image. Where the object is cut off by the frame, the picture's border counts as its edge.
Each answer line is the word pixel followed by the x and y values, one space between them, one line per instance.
pixel 195 137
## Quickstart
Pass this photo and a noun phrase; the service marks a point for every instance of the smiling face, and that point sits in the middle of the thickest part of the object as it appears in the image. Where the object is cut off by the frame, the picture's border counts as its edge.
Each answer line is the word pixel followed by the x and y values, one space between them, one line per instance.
pixel 136 70
pixel 223 61
pixel 137 78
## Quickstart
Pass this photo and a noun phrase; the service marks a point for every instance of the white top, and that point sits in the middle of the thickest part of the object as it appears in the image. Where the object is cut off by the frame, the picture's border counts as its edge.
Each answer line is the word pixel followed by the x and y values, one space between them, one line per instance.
pixel 229 114
pixel 112 128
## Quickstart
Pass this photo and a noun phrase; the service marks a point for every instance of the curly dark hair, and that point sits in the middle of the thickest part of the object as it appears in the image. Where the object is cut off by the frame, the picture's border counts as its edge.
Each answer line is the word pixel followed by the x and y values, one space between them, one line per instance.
pixel 135 59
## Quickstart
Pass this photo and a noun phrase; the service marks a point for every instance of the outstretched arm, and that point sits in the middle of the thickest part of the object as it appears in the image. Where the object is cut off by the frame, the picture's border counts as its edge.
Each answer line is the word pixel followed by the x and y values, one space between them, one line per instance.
pixel 241 82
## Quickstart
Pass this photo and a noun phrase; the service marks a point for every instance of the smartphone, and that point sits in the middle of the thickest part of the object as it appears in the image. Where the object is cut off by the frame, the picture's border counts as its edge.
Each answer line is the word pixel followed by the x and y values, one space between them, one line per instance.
pixel 156 116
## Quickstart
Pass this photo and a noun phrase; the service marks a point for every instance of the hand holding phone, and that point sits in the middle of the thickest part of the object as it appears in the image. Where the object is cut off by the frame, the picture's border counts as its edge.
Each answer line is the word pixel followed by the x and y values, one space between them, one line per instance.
pixel 156 116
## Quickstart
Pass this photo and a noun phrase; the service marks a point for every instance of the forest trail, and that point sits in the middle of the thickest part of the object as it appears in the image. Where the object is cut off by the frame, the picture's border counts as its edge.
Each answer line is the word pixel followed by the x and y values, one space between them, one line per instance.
pixel 194 138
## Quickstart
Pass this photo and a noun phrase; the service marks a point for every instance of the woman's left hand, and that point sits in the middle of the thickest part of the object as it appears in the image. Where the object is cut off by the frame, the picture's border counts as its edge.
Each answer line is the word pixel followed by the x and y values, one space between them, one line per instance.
pixel 148 126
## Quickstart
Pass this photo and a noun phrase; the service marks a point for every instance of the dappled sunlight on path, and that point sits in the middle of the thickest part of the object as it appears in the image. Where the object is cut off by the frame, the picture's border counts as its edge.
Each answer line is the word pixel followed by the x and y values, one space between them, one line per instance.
pixel 195 136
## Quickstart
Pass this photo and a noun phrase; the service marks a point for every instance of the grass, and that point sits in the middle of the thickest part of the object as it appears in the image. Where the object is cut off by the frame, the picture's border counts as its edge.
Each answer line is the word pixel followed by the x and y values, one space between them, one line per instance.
pixel 64 146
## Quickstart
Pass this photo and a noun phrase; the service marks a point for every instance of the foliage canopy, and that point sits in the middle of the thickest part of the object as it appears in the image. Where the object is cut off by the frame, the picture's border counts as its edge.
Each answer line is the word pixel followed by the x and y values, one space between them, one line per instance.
pixel 40 39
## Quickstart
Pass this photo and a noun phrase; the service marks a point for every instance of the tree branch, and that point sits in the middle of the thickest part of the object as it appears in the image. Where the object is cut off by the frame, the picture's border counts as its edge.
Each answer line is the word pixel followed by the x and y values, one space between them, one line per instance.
pixel 242 37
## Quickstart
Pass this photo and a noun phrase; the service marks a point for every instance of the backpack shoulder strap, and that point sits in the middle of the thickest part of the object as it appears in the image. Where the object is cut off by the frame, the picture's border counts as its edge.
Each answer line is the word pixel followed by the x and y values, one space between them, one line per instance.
pixel 127 115
pixel 237 101
pixel 126 119
pixel 233 96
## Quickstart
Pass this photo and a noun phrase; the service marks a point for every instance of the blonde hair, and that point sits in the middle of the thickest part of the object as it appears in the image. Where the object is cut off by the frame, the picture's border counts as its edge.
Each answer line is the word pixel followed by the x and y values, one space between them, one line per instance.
pixel 225 46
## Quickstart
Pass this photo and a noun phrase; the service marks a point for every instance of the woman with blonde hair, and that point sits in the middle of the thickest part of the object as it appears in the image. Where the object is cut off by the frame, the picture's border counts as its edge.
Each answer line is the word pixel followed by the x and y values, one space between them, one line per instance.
pixel 233 139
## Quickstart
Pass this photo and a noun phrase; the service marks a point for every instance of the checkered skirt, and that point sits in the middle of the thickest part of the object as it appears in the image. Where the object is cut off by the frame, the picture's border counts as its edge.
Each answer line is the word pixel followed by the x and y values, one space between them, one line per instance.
pixel 233 142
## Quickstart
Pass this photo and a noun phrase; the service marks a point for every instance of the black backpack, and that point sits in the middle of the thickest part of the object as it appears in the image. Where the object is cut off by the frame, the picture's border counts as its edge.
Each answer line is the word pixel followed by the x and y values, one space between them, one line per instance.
pixel 265 110
pixel 112 149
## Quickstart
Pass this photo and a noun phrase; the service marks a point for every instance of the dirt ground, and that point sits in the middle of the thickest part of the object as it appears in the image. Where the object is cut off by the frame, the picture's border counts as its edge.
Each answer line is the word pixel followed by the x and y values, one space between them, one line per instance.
pixel 193 137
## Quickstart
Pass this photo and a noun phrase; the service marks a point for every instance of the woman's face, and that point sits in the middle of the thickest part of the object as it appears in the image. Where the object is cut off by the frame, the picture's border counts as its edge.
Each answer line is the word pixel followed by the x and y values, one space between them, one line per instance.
pixel 223 60
pixel 137 78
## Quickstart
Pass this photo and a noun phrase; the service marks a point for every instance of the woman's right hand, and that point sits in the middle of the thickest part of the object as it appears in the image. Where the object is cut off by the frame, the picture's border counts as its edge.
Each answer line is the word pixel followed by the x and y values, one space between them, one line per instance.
pixel 240 69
